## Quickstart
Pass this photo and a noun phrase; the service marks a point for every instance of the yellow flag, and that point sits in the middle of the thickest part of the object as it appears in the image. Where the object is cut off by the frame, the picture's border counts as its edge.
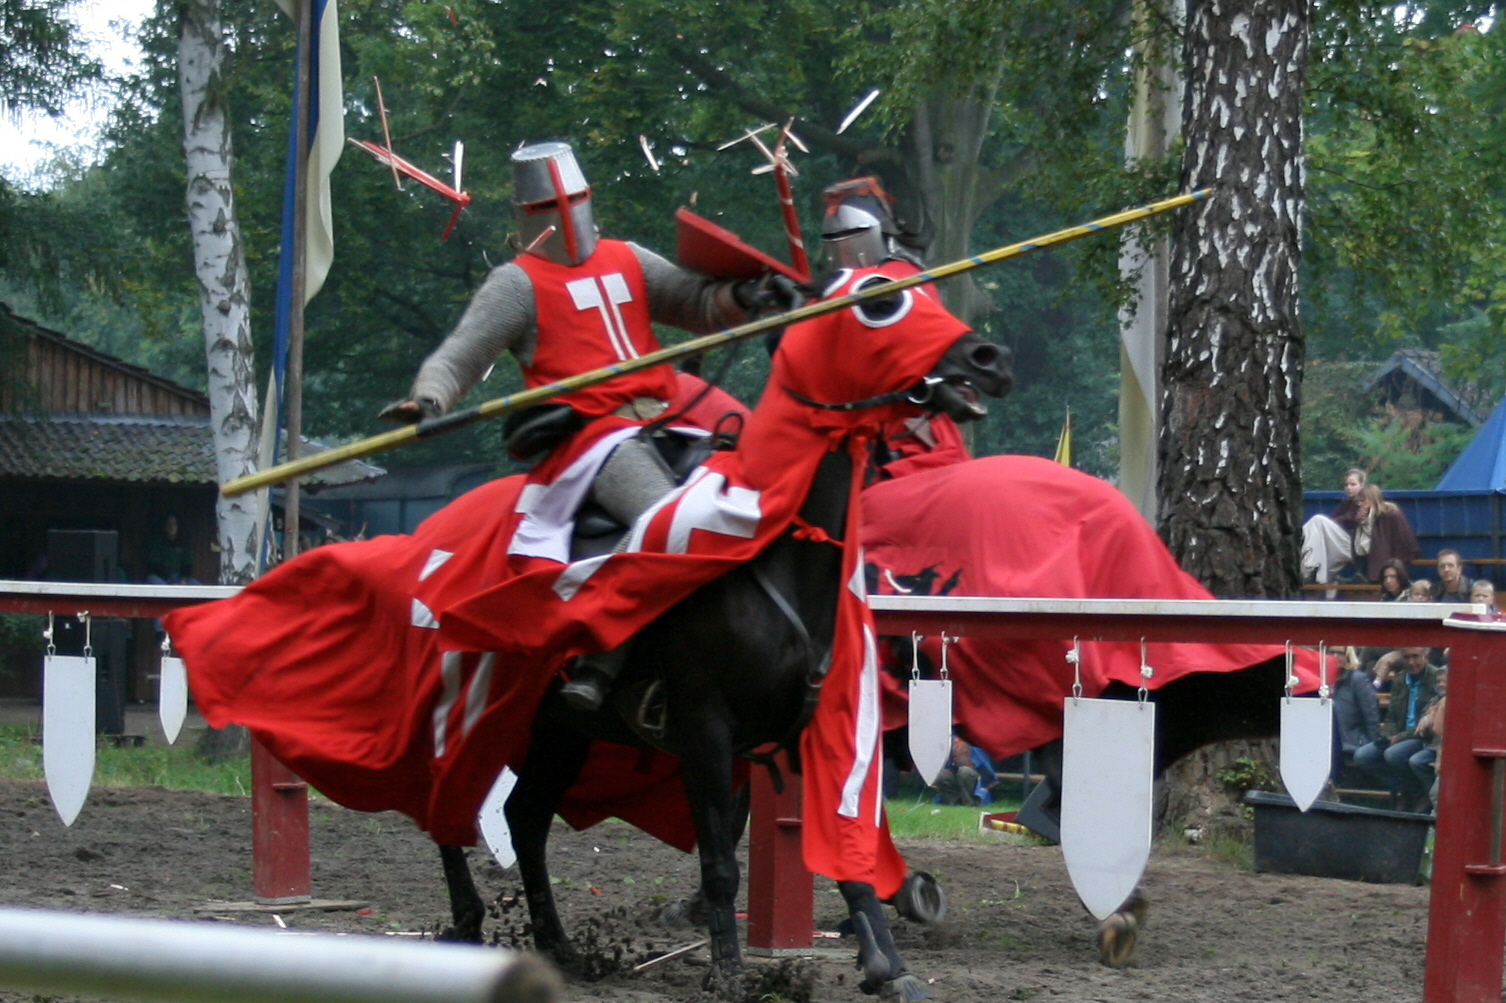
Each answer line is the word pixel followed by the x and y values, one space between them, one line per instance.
pixel 1064 442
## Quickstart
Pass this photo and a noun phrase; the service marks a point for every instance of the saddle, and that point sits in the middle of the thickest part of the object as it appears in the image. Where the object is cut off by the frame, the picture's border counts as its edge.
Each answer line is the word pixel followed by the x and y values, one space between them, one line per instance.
pixel 597 532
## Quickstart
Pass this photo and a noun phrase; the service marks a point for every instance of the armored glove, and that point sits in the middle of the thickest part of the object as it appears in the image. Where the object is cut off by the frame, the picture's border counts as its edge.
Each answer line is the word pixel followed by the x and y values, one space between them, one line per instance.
pixel 773 293
pixel 411 412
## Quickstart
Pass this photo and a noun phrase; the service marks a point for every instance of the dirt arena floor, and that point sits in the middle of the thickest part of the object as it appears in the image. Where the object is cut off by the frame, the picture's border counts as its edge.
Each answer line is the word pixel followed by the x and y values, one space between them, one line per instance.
pixel 1215 932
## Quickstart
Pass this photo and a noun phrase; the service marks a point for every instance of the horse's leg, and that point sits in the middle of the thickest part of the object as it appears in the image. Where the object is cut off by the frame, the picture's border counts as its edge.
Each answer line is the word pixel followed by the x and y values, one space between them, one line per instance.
pixel 707 771
pixel 692 912
pixel 883 969
pixel 554 760
pixel 1120 931
pixel 466 907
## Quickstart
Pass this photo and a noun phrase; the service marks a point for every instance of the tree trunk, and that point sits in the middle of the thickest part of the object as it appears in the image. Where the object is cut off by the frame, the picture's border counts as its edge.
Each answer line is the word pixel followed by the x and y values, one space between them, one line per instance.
pixel 224 303
pixel 224 285
pixel 1230 488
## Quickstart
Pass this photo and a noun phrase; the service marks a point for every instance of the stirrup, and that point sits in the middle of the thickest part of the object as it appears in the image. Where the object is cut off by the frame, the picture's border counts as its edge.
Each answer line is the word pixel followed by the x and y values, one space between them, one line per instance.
pixel 586 693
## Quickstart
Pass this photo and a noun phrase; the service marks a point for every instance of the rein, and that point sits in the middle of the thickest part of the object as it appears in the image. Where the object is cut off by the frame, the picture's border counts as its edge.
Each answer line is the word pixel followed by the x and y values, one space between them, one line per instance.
pixel 921 393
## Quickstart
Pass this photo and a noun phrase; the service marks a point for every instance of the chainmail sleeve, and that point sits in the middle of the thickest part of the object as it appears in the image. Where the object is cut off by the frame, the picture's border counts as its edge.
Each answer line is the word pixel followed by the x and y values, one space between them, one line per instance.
pixel 500 318
pixel 684 299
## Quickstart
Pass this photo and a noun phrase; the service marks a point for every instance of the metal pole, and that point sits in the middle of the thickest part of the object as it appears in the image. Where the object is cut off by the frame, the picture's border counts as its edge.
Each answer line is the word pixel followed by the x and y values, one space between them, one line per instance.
pixel 280 811
pixel 160 961
pixel 512 402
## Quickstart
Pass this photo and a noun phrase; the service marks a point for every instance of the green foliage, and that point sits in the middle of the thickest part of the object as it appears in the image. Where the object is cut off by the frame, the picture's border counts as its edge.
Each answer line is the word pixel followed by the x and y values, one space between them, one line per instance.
pixel 1249 774
pixel 1401 452
pixel 42 58
pixel 174 767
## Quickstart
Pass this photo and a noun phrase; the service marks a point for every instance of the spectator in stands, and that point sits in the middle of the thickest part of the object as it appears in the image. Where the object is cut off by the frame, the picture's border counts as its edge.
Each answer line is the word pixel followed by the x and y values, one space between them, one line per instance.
pixel 1421 590
pixel 1430 727
pixel 1382 533
pixel 1328 540
pixel 1356 712
pixel 968 778
pixel 1389 758
pixel 1452 585
pixel 168 558
pixel 1483 591
pixel 1394 580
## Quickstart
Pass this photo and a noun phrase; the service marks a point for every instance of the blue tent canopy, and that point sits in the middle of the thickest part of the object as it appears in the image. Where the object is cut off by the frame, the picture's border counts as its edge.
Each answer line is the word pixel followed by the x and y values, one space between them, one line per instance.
pixel 1482 465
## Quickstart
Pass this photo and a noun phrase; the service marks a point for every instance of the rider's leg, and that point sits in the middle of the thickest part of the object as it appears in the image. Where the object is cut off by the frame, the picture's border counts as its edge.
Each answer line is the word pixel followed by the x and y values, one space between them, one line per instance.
pixel 632 479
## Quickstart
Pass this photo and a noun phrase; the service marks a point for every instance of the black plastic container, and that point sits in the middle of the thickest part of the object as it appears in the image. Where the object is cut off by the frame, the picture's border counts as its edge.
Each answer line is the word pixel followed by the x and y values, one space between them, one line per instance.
pixel 1332 840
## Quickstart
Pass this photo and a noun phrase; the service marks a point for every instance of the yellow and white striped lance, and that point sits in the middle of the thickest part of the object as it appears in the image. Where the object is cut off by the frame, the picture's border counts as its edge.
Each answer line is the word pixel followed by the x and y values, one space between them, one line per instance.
pixel 499 406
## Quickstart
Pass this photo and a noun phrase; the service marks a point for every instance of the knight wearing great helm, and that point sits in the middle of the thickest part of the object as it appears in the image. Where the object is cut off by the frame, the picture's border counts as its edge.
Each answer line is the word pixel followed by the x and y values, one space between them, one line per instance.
pixel 570 302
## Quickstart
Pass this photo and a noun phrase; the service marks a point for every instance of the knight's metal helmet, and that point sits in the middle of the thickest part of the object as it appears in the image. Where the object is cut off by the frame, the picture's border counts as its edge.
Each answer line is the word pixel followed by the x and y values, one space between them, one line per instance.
pixel 552 203
pixel 858 230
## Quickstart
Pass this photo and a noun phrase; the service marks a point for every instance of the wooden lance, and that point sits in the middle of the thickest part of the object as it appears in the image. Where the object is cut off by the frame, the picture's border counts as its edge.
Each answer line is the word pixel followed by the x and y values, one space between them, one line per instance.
pixel 508 403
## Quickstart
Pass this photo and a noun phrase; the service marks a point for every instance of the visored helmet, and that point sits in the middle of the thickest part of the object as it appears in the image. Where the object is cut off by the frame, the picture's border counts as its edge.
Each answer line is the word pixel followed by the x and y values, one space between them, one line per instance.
pixel 859 229
pixel 552 203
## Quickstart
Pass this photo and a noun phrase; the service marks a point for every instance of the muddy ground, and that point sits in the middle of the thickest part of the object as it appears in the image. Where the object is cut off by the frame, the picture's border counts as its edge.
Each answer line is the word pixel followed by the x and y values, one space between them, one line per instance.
pixel 1215 931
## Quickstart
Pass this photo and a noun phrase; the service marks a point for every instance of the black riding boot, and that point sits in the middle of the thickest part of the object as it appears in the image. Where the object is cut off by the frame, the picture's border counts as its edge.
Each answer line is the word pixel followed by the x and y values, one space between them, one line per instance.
pixel 591 676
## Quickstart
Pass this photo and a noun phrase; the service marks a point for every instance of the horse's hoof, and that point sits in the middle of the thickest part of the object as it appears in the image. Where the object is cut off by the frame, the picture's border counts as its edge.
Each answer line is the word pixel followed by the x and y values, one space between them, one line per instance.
pixel 724 982
pixel 1116 939
pixel 685 914
pixel 906 988
pixel 921 898
pixel 461 933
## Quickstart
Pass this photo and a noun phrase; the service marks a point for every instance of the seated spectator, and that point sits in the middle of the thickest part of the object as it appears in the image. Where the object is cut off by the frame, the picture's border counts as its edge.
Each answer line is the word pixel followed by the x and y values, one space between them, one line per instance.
pixel 1389 758
pixel 1382 533
pixel 1426 763
pixel 1328 540
pixel 1452 585
pixel 1421 590
pixel 168 558
pixel 1483 591
pixel 1394 580
pixel 1356 712
pixel 968 778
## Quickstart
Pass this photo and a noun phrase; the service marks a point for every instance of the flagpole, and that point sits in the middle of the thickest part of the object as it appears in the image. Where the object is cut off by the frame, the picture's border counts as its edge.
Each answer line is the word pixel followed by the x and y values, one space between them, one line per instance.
pixel 293 375
pixel 515 401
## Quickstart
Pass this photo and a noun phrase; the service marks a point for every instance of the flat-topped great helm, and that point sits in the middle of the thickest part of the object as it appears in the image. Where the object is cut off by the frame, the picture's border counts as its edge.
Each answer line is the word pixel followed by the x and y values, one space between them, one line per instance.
pixel 859 229
pixel 552 203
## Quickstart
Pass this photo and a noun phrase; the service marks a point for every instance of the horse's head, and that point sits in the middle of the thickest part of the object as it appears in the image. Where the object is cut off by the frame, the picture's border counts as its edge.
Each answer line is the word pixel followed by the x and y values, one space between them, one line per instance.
pixel 971 367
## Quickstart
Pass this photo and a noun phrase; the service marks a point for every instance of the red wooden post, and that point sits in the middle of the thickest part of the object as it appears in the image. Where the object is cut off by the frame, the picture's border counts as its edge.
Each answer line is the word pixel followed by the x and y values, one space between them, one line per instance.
pixel 781 897
pixel 279 831
pixel 1467 912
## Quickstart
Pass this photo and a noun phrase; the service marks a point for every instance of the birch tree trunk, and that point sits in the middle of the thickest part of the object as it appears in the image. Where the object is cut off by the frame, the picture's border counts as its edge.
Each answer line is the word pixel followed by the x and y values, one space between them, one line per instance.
pixel 224 285
pixel 1230 490
pixel 1230 487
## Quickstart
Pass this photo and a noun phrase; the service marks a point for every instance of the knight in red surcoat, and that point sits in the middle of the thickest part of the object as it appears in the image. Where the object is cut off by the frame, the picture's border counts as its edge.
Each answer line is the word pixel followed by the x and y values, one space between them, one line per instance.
pixel 569 303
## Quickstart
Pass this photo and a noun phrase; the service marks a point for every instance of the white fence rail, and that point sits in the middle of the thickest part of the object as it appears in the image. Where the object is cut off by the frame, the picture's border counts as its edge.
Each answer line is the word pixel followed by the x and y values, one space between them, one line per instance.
pixel 161 961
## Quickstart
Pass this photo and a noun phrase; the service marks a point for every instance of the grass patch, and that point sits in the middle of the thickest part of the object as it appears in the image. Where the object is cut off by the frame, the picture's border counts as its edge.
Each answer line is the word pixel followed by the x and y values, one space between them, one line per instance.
pixel 924 820
pixel 176 767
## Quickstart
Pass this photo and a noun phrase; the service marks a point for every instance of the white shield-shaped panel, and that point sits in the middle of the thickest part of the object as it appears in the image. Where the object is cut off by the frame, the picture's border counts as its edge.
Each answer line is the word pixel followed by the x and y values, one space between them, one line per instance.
pixel 1108 770
pixel 1306 747
pixel 930 726
pixel 493 823
pixel 172 697
pixel 68 731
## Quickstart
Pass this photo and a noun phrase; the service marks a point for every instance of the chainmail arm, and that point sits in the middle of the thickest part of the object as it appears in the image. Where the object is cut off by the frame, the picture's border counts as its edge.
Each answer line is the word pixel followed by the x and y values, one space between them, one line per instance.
pixel 687 300
pixel 499 318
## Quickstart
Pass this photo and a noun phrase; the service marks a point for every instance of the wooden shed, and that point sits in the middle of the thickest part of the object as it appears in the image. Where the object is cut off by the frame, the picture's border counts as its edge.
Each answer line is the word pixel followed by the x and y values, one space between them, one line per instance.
pixel 96 450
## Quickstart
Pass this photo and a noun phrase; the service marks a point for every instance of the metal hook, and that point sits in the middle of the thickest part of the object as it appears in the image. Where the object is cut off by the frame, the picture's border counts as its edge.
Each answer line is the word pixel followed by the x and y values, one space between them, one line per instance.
pixel 1323 690
pixel 1074 658
pixel 88 623
pixel 52 649
pixel 1291 675
pixel 1145 674
pixel 914 654
pixel 945 640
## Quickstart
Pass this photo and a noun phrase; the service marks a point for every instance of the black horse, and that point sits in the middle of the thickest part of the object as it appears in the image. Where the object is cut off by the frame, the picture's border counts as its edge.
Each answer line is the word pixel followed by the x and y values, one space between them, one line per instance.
pixel 726 670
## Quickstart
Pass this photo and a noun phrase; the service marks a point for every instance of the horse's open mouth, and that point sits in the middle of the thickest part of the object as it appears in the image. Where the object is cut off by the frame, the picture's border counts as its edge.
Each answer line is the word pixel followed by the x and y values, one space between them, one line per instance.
pixel 970 397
